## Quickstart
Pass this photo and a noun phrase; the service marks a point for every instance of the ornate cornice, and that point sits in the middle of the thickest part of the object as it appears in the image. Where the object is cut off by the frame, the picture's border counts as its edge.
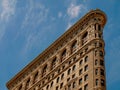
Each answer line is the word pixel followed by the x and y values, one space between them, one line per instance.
pixel 61 39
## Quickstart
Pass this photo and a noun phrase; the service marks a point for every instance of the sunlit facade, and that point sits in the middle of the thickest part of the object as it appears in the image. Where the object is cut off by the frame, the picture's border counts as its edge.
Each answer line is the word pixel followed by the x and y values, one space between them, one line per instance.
pixel 75 61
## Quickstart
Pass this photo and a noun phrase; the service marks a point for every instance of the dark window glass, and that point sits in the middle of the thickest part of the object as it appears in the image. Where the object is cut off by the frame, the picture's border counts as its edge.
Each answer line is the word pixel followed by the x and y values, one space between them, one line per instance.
pixel 81 62
pixel 86 87
pixel 96 62
pixel 57 80
pixel 96 71
pixel 102 82
pixel 80 71
pixel 74 84
pixel 102 72
pixel 20 88
pixel 73 67
pixel 101 62
pixel 61 85
pixel 80 81
pixel 86 58
pixel 69 71
pixel 96 82
pixel 99 27
pixel 62 76
pixel 85 77
pixel 86 68
pixel 101 53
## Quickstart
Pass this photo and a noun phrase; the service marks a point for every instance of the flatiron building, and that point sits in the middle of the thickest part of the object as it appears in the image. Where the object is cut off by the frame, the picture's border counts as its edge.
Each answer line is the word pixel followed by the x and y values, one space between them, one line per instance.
pixel 75 61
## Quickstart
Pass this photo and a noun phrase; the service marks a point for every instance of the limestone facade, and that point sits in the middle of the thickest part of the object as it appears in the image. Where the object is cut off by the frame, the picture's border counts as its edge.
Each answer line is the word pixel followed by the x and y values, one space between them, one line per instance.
pixel 75 61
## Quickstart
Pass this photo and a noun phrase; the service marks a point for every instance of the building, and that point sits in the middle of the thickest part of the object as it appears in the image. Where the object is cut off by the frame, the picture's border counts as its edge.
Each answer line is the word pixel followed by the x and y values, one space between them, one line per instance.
pixel 75 61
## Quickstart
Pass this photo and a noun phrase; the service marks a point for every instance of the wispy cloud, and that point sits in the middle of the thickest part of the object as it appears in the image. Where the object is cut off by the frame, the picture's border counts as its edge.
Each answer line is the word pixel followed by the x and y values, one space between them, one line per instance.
pixel 35 14
pixel 7 11
pixel 74 10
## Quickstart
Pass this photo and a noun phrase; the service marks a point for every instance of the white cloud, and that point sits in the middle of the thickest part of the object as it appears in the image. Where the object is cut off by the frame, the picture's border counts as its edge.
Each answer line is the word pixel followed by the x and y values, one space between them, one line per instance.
pixel 36 14
pixel 69 25
pixel 8 9
pixel 75 9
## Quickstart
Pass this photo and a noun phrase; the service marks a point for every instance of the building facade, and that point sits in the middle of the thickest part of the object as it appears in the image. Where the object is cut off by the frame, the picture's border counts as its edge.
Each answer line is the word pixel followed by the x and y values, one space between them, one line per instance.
pixel 75 61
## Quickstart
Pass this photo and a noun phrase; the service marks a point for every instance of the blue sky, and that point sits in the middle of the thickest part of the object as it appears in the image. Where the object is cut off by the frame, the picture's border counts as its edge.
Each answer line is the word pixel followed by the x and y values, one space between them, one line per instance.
pixel 27 27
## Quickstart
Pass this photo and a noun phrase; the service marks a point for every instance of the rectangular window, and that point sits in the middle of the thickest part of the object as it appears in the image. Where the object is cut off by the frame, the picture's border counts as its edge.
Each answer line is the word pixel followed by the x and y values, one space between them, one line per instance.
pixel 96 71
pixel 85 77
pixel 101 62
pixel 102 72
pixel 102 82
pixel 86 87
pixel 80 81
pixel 96 82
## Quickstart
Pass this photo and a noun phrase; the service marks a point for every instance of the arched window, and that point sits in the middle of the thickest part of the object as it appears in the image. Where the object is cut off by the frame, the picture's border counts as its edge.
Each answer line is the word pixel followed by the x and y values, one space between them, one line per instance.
pixel 62 76
pixel 20 88
pixel 86 58
pixel 57 80
pixel 74 84
pixel 35 77
pixel 96 62
pixel 101 53
pixel 74 46
pixel 61 85
pixel 96 82
pixel 63 56
pixel 84 38
pixel 44 70
pixel 47 87
pixel 54 63
pixel 51 83
pixel 69 71
pixel 96 71
pixel 27 83
pixel 74 67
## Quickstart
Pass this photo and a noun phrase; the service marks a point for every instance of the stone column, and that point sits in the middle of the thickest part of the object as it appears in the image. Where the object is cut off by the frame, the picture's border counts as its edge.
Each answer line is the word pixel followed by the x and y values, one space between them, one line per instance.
pixel 68 48
pixel 48 67
pixel 31 80
pixel 80 41
pixel 40 73
pixel 24 85
pixel 58 57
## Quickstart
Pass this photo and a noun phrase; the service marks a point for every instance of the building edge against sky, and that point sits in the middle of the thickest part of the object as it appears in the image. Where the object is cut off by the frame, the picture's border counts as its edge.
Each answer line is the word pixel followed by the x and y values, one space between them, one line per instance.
pixel 60 67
